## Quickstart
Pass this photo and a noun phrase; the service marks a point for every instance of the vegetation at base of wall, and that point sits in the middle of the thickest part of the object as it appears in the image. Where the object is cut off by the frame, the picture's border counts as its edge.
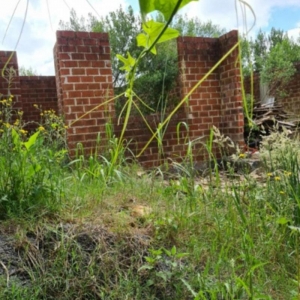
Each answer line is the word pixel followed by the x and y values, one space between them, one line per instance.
pixel 161 234
pixel 30 163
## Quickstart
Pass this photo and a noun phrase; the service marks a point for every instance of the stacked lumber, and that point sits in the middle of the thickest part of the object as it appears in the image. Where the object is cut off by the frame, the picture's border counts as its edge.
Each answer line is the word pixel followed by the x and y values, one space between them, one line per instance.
pixel 270 116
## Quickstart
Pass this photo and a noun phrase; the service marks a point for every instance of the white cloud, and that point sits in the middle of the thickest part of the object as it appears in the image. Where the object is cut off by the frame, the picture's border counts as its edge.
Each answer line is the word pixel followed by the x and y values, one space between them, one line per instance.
pixel 224 12
pixel 38 38
pixel 294 33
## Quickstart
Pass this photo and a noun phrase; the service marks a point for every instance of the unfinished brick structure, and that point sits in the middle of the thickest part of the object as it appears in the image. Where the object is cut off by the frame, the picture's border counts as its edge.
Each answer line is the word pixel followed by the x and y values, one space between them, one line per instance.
pixel 28 90
pixel 84 81
pixel 291 102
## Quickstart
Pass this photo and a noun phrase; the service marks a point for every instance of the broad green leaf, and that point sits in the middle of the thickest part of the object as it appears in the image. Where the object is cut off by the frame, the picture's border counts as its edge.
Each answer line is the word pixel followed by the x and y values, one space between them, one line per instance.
pixel 145 267
pixel 31 140
pixel 150 282
pixel 173 250
pixel 146 7
pixel 282 221
pixel 152 30
pixel 180 255
pixel 162 275
pixel 128 62
pixel 166 7
pixel 16 137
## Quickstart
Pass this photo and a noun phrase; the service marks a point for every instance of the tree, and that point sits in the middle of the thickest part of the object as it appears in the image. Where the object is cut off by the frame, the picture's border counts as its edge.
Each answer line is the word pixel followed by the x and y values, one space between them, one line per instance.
pixel 273 55
pixel 122 27
pixel 27 71
pixel 194 27
pixel 157 74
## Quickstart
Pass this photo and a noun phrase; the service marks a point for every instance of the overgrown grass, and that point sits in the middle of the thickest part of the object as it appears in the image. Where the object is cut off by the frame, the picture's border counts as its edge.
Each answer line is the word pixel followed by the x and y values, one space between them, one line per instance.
pixel 142 236
pixel 98 227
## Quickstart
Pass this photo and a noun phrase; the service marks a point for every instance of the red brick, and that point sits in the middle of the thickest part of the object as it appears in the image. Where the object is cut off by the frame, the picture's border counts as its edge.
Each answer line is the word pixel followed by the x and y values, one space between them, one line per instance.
pixel 78 71
pixel 92 71
pixel 91 56
pixel 87 79
pixel 78 56
pixel 84 64
pixel 73 79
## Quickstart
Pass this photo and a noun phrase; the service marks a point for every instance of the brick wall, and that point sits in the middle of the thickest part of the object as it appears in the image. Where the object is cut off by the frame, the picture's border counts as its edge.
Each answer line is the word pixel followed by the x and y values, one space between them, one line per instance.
pixel 84 77
pixel 12 88
pixel 291 102
pixel 196 57
pixel 255 90
pixel 40 90
pixel 28 90
pixel 83 83
pixel 232 117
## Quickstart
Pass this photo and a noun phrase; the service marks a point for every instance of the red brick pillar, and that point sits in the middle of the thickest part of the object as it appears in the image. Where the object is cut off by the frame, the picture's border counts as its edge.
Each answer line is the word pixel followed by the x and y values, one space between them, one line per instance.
pixel 196 57
pixel 84 80
pixel 232 123
pixel 14 88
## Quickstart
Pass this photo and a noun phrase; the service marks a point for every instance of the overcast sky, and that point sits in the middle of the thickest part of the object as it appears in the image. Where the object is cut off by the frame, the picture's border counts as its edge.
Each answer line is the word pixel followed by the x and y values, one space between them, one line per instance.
pixel 35 48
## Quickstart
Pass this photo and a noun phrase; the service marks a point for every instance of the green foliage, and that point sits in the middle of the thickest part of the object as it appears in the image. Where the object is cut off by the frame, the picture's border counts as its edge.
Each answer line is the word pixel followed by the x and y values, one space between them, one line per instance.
pixel 164 268
pixel 53 128
pixel 27 71
pixel 241 236
pixel 155 75
pixel 152 33
pixel 167 7
pixel 122 26
pixel 195 27
pixel 279 68
pixel 98 165
pixel 281 156
pixel 27 184
pixel 27 181
pixel 273 55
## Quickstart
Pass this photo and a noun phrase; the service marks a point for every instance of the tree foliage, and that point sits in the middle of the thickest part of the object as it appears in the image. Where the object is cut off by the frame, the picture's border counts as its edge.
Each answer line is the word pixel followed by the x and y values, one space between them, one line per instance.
pixel 27 71
pixel 273 55
pixel 194 27
pixel 156 75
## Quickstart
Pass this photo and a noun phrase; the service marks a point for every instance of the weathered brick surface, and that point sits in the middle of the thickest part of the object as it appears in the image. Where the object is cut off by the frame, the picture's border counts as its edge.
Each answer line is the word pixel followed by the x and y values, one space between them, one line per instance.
pixel 83 84
pixel 291 102
pixel 84 81
pixel 40 90
pixel 12 88
pixel 231 115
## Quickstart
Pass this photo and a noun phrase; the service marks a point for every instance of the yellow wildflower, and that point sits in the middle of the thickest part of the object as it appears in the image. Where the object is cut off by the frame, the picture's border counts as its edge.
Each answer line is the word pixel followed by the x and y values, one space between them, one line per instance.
pixel 277 178
pixel 41 128
pixel 242 155
pixel 286 173
pixel 269 174
pixel 24 132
